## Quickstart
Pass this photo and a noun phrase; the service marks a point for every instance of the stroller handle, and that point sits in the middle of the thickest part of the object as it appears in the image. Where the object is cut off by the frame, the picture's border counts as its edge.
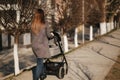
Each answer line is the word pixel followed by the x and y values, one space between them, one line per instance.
pixel 57 39
pixel 57 36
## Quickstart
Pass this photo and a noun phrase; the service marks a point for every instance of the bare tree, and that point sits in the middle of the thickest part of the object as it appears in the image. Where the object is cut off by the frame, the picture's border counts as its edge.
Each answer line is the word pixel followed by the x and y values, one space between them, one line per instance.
pixel 70 14
pixel 112 12
pixel 15 17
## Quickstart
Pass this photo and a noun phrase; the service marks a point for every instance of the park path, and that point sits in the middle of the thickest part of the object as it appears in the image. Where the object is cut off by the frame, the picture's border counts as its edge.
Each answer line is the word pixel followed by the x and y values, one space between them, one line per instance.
pixel 91 61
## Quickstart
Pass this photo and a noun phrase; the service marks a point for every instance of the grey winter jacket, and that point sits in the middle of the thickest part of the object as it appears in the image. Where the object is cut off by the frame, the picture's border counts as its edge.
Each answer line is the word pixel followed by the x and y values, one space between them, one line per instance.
pixel 40 43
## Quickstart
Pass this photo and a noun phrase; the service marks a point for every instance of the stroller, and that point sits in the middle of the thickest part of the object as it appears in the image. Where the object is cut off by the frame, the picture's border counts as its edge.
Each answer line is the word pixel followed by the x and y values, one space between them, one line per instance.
pixel 57 68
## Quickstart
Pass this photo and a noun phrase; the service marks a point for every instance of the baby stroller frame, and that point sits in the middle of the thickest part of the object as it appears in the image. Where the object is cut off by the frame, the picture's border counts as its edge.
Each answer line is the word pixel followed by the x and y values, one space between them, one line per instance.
pixel 57 68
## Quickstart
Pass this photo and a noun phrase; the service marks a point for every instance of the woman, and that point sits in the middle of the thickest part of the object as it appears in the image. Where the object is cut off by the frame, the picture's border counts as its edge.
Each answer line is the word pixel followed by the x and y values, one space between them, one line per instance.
pixel 40 34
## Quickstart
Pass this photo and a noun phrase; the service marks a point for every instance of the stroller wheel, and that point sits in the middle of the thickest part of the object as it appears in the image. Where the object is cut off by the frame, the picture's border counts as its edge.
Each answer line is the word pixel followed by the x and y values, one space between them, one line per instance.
pixel 60 74
pixel 65 69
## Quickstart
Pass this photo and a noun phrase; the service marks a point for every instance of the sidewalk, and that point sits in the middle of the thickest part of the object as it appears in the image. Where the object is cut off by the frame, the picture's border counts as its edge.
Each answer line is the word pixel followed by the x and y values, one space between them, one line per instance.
pixel 92 61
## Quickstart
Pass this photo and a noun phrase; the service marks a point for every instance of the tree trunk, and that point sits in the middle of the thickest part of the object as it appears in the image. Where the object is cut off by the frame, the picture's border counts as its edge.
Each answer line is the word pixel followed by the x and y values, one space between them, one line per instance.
pixel 76 37
pixel 83 34
pixel 16 59
pixel 91 33
pixel 83 27
pixel 108 28
pixel 65 43
pixel 112 23
pixel 103 28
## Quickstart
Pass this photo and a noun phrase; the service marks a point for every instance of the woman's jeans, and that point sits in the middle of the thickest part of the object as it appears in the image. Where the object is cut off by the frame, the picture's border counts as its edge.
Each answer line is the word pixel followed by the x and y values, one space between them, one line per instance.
pixel 39 70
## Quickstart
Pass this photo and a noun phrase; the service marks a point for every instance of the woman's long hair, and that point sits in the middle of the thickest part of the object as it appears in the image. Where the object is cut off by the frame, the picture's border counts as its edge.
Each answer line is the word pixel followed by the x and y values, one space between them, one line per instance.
pixel 38 21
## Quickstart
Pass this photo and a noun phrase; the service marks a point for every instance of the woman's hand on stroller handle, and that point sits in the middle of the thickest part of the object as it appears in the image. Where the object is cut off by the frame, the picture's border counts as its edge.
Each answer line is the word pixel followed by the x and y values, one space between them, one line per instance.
pixel 52 33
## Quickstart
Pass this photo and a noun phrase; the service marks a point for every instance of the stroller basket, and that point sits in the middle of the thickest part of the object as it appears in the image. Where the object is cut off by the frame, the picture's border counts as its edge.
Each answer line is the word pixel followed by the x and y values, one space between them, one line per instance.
pixel 55 68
